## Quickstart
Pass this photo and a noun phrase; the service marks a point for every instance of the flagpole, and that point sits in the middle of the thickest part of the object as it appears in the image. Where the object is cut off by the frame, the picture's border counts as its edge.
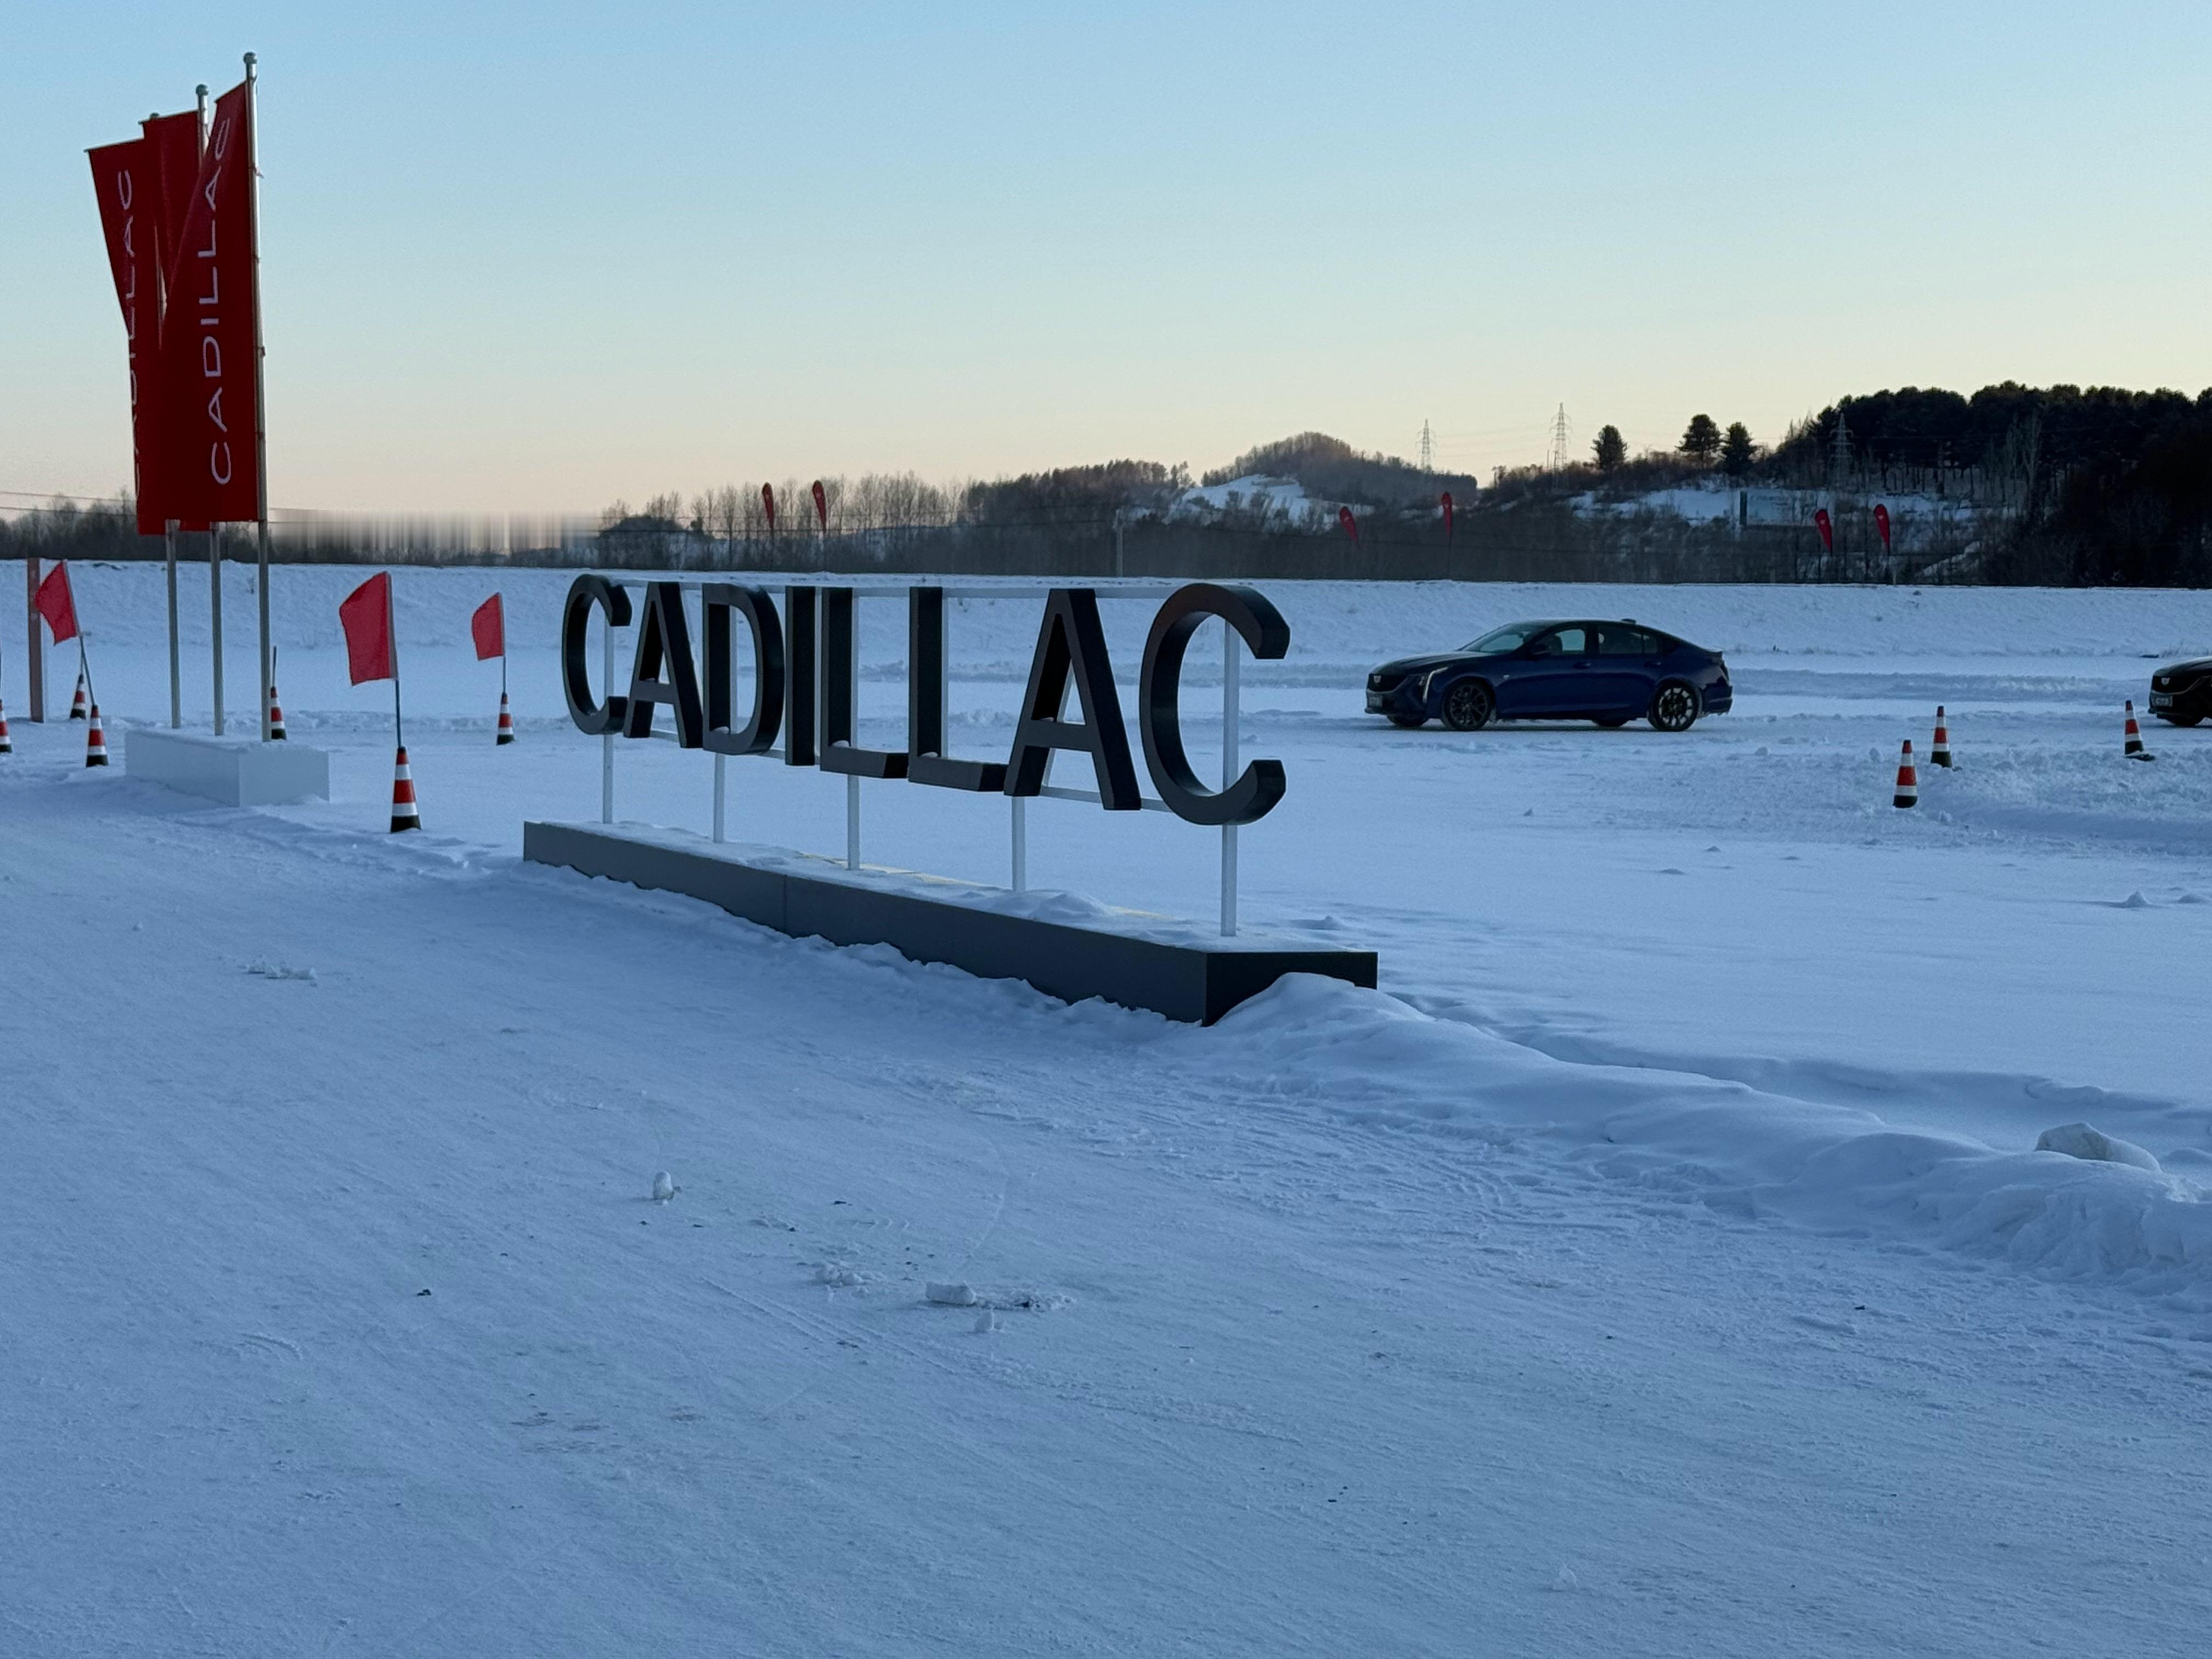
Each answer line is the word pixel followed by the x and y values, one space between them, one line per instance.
pixel 168 525
pixel 260 418
pixel 391 638
pixel 176 664
pixel 35 659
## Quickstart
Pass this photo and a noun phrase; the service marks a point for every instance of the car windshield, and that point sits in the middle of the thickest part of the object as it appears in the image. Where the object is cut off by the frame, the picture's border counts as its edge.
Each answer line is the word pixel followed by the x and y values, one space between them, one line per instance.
pixel 1511 637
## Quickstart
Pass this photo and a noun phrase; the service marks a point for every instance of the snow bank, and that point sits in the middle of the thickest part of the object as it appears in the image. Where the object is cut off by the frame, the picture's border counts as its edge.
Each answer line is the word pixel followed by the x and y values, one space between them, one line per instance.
pixel 1368 1058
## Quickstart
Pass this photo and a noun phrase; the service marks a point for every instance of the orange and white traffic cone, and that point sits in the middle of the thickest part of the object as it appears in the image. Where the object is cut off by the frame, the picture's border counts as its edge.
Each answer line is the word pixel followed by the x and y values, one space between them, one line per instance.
pixel 404 815
pixel 1939 752
pixel 78 703
pixel 2133 749
pixel 276 718
pixel 1908 780
pixel 7 744
pixel 95 742
pixel 506 721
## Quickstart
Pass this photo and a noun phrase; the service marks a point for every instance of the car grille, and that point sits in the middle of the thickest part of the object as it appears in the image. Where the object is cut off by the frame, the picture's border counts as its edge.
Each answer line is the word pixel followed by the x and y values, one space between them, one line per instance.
pixel 1384 681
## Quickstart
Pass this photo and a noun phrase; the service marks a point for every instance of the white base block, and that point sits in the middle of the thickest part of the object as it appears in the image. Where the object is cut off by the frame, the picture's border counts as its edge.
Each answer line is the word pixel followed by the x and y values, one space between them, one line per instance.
pixel 236 771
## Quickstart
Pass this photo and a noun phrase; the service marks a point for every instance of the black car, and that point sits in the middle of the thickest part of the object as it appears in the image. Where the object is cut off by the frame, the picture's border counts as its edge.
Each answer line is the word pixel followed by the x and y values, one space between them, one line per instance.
pixel 1611 672
pixel 2181 692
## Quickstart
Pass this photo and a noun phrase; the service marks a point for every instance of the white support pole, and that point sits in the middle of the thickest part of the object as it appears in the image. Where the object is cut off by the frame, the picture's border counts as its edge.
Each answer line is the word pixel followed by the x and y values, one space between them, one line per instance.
pixel 176 666
pixel 852 822
pixel 214 614
pixel 1021 840
pixel 607 739
pixel 1231 714
pixel 718 763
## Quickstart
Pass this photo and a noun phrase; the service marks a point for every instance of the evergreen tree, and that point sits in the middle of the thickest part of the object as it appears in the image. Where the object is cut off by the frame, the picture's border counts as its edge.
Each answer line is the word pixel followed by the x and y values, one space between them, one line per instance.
pixel 1610 450
pixel 1701 440
pixel 1736 450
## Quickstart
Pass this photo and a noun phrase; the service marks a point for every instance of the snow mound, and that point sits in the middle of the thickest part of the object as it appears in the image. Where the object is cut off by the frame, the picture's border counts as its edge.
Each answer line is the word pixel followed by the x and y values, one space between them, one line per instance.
pixel 2082 1141
pixel 1368 1058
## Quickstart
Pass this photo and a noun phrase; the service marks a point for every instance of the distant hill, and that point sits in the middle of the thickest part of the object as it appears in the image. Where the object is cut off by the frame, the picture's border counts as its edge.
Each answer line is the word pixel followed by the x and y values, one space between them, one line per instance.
pixel 1332 469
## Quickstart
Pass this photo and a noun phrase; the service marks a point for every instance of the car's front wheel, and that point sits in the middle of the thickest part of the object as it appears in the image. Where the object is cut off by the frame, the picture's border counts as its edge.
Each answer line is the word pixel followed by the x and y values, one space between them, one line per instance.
pixel 1675 707
pixel 1469 706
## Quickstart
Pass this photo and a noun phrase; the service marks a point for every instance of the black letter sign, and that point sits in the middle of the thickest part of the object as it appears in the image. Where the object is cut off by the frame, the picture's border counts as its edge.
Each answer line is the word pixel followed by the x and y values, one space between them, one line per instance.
pixel 1071 640
pixel 839 674
pixel 926 759
pixel 757 735
pixel 663 633
pixel 1260 787
pixel 576 675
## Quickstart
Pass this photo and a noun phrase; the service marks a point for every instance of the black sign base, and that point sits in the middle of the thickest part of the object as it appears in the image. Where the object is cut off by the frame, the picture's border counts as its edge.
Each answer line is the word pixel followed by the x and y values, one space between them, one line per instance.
pixel 1138 961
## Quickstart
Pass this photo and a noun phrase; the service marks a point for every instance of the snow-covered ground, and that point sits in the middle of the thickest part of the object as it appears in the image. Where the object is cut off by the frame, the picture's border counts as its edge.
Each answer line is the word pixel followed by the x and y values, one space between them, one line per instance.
pixel 1660 1263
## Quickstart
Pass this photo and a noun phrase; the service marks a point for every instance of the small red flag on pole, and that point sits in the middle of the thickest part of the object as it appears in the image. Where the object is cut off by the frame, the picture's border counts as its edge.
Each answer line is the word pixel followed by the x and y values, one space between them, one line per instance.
pixel 1448 515
pixel 1821 522
pixel 1351 524
pixel 57 604
pixel 1882 523
pixel 366 615
pixel 820 506
pixel 487 627
pixel 768 506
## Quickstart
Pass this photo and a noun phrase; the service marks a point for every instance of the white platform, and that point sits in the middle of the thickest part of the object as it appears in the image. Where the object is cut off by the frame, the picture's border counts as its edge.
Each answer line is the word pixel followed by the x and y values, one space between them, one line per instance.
pixel 236 771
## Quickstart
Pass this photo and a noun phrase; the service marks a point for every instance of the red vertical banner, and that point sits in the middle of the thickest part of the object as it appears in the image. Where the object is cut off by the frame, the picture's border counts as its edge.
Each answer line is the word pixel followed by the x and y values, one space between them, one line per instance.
pixel 209 333
pixel 1882 524
pixel 173 143
pixel 1827 529
pixel 1350 524
pixel 1448 515
pixel 820 506
pixel 768 506
pixel 125 179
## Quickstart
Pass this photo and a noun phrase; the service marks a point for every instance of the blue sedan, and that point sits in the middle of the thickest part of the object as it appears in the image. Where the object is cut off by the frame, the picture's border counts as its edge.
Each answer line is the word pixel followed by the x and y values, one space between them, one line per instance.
pixel 1611 672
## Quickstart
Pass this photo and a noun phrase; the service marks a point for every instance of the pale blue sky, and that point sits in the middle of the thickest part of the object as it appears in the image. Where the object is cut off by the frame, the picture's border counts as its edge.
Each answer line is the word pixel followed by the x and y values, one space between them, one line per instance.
pixel 538 257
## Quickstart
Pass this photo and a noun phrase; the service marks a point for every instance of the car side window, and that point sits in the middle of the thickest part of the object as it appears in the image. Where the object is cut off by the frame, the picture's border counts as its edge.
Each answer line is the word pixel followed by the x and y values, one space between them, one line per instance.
pixel 1564 642
pixel 1624 641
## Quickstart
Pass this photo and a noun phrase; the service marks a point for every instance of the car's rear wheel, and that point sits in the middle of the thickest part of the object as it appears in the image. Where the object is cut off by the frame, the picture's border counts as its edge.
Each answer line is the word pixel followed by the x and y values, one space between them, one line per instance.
pixel 1610 722
pixel 1675 707
pixel 1469 706
pixel 1409 722
pixel 2181 720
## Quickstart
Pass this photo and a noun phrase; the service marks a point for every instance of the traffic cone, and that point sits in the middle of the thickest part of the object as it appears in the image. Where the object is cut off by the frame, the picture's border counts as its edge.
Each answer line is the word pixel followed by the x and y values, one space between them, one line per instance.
pixel 77 704
pixel 404 815
pixel 1939 752
pixel 1908 780
pixel 506 721
pixel 6 746
pixel 2133 749
pixel 95 742
pixel 276 718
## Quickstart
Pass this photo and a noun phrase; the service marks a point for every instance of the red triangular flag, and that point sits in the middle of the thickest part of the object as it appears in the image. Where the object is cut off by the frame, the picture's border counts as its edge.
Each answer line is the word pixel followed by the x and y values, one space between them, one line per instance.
pixel 366 614
pixel 57 605
pixel 487 627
